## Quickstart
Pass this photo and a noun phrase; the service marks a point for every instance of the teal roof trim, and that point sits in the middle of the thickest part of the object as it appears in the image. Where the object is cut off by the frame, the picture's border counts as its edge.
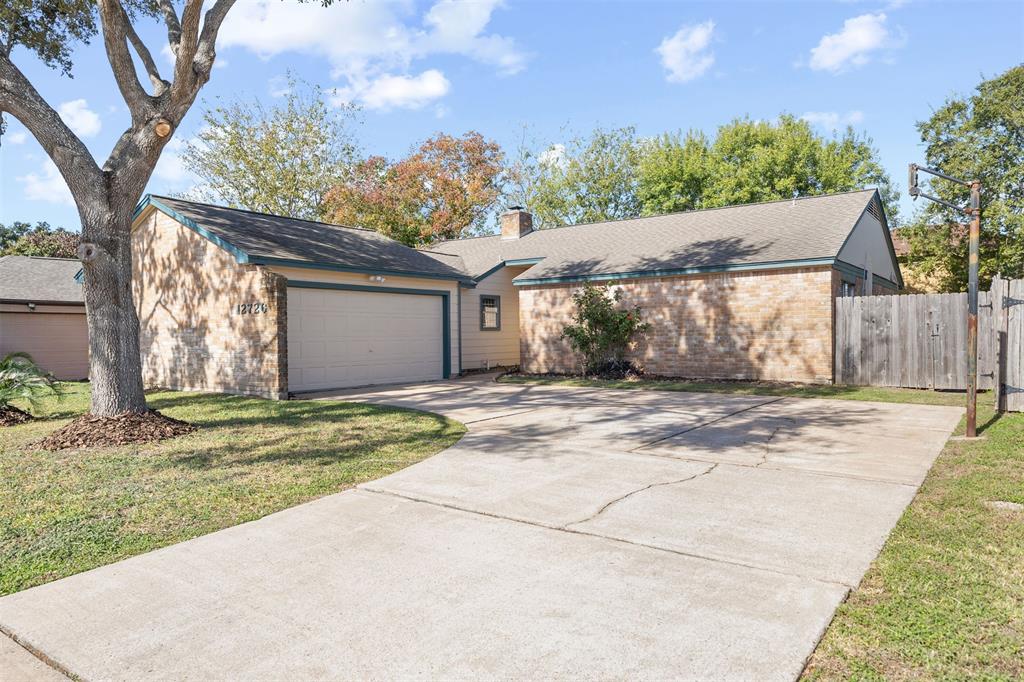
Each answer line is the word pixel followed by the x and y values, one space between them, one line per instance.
pixel 645 274
pixel 856 271
pixel 287 262
pixel 150 200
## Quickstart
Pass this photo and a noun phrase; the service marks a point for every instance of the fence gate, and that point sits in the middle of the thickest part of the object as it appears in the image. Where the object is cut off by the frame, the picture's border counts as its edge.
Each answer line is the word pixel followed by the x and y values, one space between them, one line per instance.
pixel 1008 304
pixel 920 341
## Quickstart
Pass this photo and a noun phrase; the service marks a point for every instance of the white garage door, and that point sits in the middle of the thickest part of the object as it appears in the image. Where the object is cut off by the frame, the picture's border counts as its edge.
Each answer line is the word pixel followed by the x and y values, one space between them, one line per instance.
pixel 355 338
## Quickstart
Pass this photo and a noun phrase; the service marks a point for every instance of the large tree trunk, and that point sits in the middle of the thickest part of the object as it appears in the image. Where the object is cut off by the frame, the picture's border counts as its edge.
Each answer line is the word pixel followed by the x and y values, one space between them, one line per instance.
pixel 115 365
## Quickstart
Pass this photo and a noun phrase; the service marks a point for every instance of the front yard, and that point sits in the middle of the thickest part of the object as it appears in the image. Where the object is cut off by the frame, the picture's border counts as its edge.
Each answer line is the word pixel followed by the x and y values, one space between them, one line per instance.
pixel 69 511
pixel 945 598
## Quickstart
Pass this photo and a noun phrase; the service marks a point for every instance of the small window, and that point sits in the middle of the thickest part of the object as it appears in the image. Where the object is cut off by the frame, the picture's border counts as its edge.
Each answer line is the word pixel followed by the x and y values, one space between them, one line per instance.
pixel 490 312
pixel 848 289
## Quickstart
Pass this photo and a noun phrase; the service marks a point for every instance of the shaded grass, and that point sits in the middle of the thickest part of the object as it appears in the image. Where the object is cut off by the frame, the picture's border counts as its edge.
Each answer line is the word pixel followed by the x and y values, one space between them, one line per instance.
pixel 885 395
pixel 945 598
pixel 69 511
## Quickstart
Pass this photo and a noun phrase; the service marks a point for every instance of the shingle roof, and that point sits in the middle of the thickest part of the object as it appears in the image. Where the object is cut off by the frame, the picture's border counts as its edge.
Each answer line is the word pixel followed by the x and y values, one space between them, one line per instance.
pixel 35 279
pixel 807 228
pixel 261 237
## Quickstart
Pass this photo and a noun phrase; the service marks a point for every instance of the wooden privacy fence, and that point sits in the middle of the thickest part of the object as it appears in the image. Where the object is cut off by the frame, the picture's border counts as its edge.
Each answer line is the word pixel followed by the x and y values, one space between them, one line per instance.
pixel 920 341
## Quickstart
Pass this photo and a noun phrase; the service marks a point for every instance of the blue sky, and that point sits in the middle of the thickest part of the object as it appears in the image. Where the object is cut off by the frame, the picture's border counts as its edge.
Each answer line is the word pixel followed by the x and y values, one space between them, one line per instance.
pixel 491 66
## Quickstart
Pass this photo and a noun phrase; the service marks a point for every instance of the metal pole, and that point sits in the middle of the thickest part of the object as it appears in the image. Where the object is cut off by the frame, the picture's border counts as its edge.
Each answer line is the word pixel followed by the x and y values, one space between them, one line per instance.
pixel 972 312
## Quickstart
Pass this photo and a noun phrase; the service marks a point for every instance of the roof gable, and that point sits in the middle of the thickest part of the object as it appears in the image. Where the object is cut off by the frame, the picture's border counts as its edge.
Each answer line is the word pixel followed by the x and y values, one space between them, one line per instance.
pixel 275 240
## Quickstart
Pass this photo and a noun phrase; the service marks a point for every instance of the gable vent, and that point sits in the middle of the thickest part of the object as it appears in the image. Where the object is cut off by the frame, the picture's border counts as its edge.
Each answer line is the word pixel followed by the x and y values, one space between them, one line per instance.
pixel 875 209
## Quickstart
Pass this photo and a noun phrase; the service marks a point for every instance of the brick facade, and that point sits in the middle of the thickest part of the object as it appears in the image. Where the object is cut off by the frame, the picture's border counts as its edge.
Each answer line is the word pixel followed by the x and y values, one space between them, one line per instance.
pixel 192 335
pixel 770 325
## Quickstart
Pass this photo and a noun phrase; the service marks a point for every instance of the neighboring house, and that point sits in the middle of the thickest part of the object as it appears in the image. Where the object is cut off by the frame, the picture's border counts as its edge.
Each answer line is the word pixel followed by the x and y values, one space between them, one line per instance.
pixel 42 313
pixel 244 302
pixel 918 278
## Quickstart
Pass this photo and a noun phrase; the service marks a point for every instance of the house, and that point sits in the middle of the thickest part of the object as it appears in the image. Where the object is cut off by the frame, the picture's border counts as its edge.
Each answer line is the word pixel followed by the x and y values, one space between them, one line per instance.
pixel 235 301
pixel 42 312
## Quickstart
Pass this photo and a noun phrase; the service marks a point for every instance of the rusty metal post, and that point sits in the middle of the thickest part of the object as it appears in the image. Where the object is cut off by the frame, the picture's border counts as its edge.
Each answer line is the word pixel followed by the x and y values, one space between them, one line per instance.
pixel 972 312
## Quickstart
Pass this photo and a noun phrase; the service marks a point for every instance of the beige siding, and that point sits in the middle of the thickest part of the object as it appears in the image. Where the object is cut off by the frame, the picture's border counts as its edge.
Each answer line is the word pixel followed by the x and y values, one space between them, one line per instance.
pixel 492 348
pixel 56 337
pixel 392 281
pixel 774 325
pixel 192 336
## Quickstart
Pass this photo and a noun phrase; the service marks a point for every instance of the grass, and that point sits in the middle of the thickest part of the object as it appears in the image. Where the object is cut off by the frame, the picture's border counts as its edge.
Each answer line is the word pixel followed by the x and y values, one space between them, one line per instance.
pixel 945 598
pixel 66 512
pixel 885 395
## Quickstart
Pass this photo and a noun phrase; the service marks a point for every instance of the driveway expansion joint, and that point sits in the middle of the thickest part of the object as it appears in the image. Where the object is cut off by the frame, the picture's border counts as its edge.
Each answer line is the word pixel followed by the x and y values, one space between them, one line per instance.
pixel 37 654
pixel 609 538
pixel 708 423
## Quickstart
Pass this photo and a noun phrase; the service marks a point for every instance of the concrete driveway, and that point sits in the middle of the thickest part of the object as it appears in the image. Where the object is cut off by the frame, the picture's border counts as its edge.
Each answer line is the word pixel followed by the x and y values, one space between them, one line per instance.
pixel 572 533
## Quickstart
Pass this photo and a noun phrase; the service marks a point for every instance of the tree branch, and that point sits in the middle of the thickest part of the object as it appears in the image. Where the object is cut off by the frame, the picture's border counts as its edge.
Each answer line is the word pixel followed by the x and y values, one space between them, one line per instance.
pixel 173 25
pixel 115 27
pixel 159 84
pixel 74 161
pixel 211 26
pixel 183 75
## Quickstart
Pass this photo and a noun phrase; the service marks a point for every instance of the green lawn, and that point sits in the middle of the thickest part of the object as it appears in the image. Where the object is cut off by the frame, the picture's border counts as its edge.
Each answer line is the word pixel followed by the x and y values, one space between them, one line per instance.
pixel 945 598
pixel 66 512
pixel 887 395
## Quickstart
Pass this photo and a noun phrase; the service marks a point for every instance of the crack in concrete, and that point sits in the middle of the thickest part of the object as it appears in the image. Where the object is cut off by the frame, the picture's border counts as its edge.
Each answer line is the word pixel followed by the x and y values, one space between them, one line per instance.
pixel 608 538
pixel 640 490
pixel 708 423
pixel 768 441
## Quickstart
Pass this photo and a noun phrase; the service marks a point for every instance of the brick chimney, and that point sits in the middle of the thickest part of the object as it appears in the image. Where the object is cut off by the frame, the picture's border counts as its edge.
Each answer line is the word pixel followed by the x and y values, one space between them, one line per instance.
pixel 516 222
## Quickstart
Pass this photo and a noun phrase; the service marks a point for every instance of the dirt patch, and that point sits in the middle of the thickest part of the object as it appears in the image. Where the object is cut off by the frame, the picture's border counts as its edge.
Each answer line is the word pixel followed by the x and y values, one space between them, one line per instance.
pixel 88 431
pixel 10 415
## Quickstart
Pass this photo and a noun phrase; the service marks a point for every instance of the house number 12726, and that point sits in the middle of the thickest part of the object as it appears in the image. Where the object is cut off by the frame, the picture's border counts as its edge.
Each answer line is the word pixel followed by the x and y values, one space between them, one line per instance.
pixel 251 308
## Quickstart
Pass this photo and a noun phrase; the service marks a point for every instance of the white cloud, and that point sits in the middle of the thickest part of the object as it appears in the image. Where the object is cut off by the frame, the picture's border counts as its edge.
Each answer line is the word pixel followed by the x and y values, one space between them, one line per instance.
pixel 372 45
pixel 831 120
pixel 82 120
pixel 685 55
pixel 18 137
pixel 553 156
pixel 853 45
pixel 47 185
pixel 396 92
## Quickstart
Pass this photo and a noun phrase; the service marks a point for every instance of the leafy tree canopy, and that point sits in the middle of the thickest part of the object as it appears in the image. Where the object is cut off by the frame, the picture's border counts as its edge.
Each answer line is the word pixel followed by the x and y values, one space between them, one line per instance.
pixel 589 179
pixel 612 174
pixel 444 190
pixel 980 137
pixel 22 239
pixel 281 160
pixel 753 161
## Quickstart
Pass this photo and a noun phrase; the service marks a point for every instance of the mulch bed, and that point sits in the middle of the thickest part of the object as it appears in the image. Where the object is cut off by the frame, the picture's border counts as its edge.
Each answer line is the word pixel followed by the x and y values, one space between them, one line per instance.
pixel 88 431
pixel 10 415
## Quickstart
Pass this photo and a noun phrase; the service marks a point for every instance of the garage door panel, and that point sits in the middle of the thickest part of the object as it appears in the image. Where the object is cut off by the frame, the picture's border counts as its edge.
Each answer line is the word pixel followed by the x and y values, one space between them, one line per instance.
pixel 351 338
pixel 58 342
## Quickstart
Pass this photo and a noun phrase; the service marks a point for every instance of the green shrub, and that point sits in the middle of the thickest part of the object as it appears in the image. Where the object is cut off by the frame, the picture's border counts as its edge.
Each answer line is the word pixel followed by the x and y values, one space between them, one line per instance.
pixel 601 331
pixel 21 378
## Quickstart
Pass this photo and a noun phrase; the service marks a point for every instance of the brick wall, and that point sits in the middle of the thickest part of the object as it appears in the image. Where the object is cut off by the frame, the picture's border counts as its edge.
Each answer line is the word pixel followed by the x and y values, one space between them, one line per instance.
pixel 192 336
pixel 772 325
